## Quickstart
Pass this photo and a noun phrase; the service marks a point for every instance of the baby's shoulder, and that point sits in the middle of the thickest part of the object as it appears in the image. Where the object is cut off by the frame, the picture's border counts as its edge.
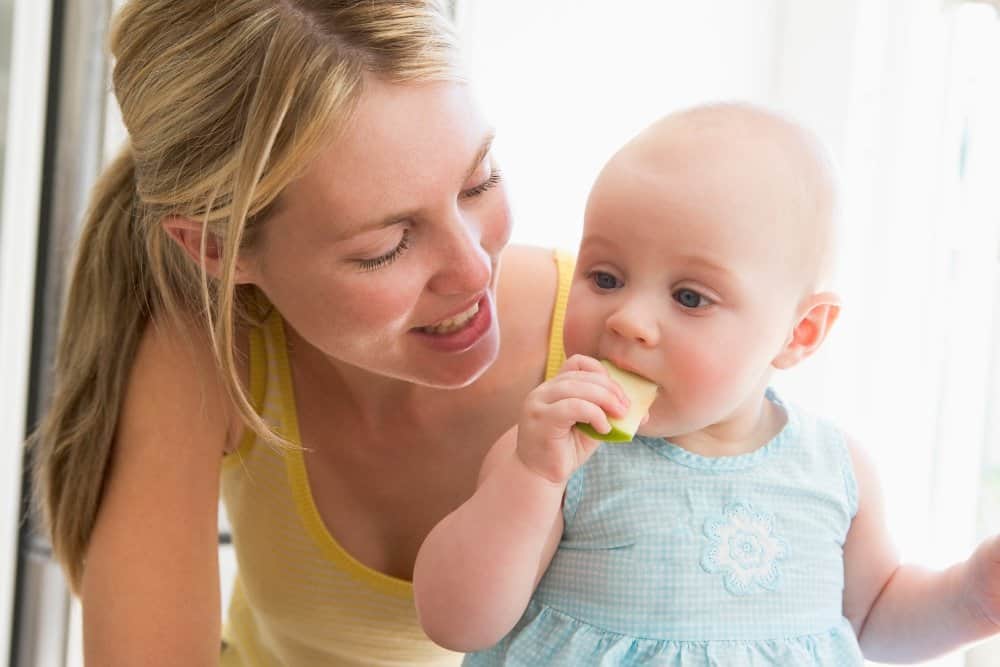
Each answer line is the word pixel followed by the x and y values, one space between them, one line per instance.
pixel 825 450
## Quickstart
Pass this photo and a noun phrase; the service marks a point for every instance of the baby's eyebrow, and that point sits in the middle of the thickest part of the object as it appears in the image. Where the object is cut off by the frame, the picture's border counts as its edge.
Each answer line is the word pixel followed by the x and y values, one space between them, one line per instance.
pixel 708 265
pixel 598 240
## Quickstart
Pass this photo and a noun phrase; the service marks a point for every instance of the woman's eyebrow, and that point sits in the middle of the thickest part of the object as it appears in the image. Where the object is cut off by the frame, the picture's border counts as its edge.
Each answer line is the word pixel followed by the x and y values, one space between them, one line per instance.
pixel 392 219
pixel 483 150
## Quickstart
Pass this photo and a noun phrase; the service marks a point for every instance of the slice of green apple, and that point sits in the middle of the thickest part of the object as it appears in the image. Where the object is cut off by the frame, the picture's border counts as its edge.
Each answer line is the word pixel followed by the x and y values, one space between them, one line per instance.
pixel 640 392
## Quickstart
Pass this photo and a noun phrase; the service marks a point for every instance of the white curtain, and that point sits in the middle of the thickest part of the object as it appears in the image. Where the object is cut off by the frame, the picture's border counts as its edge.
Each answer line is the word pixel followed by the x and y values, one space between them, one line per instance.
pixel 993 3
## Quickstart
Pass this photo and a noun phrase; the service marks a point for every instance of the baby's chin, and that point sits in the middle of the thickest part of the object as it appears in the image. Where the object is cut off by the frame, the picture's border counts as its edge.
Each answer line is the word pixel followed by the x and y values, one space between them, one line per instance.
pixel 651 429
pixel 659 426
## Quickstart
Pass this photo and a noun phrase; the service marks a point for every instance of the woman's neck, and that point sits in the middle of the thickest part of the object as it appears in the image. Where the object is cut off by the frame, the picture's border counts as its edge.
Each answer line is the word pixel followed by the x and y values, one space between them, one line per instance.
pixel 373 401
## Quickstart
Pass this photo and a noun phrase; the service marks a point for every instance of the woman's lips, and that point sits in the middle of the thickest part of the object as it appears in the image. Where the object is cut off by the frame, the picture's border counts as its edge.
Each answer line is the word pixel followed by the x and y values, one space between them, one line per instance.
pixel 462 331
pixel 453 323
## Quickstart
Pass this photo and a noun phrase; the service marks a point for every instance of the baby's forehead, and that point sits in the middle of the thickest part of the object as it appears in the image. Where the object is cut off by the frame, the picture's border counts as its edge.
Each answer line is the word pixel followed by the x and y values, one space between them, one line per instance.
pixel 743 169
pixel 738 142
pixel 729 133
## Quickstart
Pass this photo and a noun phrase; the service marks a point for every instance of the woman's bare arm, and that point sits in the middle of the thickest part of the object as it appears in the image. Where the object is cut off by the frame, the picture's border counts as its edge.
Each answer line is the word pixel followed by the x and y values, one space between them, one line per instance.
pixel 150 588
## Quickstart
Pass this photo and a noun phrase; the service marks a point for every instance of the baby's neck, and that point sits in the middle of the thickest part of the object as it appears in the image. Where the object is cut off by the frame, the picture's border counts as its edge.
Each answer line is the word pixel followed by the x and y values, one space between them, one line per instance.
pixel 744 432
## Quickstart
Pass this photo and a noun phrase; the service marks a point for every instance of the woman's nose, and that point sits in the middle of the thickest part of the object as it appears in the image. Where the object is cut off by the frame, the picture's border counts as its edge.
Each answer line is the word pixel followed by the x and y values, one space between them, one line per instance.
pixel 464 266
pixel 635 322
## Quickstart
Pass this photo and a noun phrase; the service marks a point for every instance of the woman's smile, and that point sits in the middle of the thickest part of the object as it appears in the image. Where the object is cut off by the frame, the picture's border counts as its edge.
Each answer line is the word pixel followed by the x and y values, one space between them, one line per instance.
pixel 460 332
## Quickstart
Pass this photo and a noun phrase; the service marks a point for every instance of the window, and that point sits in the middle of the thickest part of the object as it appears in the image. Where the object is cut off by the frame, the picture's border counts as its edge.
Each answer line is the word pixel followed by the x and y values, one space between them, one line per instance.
pixel 24 26
pixel 978 68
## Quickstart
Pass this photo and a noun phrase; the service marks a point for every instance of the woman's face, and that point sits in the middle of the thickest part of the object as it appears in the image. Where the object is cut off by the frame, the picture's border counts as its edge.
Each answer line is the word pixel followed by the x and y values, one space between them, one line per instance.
pixel 383 255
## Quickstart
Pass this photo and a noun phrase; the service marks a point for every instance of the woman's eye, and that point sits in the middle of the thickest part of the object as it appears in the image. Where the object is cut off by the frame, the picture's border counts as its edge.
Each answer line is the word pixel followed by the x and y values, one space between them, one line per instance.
pixel 605 281
pixel 690 299
pixel 376 263
pixel 491 180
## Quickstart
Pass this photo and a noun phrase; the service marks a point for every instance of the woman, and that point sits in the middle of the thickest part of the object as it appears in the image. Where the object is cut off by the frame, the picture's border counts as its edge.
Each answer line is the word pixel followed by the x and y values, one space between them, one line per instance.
pixel 287 294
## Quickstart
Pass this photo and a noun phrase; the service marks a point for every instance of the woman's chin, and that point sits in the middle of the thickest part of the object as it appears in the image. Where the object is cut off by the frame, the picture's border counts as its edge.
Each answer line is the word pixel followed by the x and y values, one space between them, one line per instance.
pixel 459 375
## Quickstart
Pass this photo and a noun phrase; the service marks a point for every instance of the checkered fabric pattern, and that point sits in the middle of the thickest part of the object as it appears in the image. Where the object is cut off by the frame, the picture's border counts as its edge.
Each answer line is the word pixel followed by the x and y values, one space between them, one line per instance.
pixel 670 558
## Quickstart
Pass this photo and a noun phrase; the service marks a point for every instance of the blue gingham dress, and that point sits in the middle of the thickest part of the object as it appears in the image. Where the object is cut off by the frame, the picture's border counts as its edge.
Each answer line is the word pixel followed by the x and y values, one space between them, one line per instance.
pixel 673 559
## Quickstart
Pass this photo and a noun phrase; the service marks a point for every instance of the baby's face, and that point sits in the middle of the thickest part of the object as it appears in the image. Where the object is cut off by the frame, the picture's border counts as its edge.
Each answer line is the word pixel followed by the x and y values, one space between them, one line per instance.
pixel 690 274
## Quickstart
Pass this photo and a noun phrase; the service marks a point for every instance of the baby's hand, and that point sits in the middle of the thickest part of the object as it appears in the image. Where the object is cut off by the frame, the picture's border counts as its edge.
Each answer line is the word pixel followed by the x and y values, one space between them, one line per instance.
pixel 547 442
pixel 983 582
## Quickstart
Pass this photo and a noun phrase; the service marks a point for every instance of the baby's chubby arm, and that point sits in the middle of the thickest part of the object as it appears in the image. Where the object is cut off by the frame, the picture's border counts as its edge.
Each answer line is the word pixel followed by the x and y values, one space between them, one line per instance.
pixel 906 613
pixel 477 569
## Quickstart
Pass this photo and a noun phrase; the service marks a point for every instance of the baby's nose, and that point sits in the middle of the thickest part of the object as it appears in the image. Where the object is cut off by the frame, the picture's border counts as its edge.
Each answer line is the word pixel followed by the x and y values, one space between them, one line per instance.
pixel 634 323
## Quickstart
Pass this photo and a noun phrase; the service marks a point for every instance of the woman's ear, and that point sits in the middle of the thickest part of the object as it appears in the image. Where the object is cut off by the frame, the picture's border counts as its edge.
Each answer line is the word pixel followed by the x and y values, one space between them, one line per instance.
pixel 817 316
pixel 188 234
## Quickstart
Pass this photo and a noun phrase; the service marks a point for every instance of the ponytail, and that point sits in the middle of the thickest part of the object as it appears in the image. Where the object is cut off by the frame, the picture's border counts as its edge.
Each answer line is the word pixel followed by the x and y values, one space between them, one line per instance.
pixel 107 308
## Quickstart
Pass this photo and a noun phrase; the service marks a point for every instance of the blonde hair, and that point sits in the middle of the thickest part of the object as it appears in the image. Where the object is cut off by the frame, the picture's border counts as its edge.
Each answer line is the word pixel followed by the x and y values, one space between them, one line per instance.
pixel 225 103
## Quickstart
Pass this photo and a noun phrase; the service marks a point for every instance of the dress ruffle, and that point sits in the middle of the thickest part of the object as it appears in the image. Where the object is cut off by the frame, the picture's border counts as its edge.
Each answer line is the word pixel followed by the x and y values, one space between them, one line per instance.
pixel 546 636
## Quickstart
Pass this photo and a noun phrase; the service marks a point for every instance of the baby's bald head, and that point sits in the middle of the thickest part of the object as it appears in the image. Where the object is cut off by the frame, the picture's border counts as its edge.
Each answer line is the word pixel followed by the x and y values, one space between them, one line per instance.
pixel 763 171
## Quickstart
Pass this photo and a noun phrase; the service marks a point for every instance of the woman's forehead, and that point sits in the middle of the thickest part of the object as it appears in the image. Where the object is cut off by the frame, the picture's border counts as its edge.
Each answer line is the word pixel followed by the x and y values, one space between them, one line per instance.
pixel 401 139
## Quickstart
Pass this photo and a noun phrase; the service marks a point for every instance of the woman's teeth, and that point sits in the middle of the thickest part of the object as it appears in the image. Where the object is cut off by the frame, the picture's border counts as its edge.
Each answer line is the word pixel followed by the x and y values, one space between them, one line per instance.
pixel 454 323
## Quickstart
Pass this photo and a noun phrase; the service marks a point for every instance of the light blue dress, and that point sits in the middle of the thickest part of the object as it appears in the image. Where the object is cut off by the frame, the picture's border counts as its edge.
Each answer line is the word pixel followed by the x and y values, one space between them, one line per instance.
pixel 673 559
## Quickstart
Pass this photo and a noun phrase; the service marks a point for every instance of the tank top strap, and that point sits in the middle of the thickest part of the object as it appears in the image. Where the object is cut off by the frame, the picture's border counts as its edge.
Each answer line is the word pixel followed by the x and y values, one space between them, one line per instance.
pixel 565 263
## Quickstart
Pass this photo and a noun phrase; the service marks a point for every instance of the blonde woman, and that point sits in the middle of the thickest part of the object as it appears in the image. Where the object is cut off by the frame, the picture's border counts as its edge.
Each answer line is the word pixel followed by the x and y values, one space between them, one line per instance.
pixel 288 294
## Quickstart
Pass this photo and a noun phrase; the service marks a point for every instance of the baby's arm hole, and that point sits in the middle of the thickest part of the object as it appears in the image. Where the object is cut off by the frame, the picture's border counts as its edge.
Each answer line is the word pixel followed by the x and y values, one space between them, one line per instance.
pixel 150 589
pixel 870 557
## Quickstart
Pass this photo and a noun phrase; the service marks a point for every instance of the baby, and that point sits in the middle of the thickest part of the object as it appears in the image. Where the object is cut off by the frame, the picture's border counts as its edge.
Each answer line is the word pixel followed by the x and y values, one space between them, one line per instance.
pixel 735 529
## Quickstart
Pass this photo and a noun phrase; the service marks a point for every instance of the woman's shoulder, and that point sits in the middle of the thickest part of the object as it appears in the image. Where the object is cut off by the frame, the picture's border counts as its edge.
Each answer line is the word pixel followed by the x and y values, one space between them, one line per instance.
pixel 527 292
pixel 175 364
pixel 526 303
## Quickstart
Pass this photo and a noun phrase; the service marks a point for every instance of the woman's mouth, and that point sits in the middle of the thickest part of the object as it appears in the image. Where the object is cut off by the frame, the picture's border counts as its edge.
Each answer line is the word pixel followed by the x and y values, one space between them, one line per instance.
pixel 461 331
pixel 452 324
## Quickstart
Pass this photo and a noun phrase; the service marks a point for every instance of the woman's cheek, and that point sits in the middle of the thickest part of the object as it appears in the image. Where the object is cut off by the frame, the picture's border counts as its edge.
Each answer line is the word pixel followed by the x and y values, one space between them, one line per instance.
pixel 499 226
pixel 377 302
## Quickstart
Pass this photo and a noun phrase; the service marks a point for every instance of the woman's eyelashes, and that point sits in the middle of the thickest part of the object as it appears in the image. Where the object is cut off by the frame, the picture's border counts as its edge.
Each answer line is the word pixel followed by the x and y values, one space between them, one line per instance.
pixel 490 181
pixel 376 263
pixel 381 261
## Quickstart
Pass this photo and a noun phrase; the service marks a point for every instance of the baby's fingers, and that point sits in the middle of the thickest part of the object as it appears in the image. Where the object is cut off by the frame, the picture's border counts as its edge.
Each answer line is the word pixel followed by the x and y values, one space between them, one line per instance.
pixel 580 366
pixel 581 362
pixel 591 387
pixel 571 411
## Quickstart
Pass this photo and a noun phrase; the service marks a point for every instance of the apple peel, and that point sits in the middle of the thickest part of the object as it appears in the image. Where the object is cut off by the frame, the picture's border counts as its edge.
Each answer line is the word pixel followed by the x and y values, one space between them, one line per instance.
pixel 641 393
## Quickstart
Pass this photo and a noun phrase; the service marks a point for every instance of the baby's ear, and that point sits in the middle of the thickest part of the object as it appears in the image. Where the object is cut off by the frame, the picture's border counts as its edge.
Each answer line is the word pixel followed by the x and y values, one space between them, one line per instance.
pixel 816 317
pixel 188 234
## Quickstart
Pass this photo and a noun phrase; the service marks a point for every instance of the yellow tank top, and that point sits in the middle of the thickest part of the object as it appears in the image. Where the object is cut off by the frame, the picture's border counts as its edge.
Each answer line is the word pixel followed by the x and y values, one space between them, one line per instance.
pixel 299 599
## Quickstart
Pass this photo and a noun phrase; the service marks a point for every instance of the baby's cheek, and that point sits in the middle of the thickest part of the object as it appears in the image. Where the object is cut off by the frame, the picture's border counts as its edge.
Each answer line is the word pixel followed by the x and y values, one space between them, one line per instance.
pixel 580 333
pixel 699 368
pixel 703 378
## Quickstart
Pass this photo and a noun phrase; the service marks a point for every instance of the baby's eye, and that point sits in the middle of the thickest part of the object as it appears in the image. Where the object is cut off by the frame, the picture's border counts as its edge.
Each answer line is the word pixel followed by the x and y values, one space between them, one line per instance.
pixel 605 281
pixel 690 299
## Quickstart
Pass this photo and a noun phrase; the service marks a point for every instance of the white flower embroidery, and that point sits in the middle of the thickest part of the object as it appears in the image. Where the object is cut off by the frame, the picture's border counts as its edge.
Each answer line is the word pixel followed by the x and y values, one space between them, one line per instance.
pixel 742 547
